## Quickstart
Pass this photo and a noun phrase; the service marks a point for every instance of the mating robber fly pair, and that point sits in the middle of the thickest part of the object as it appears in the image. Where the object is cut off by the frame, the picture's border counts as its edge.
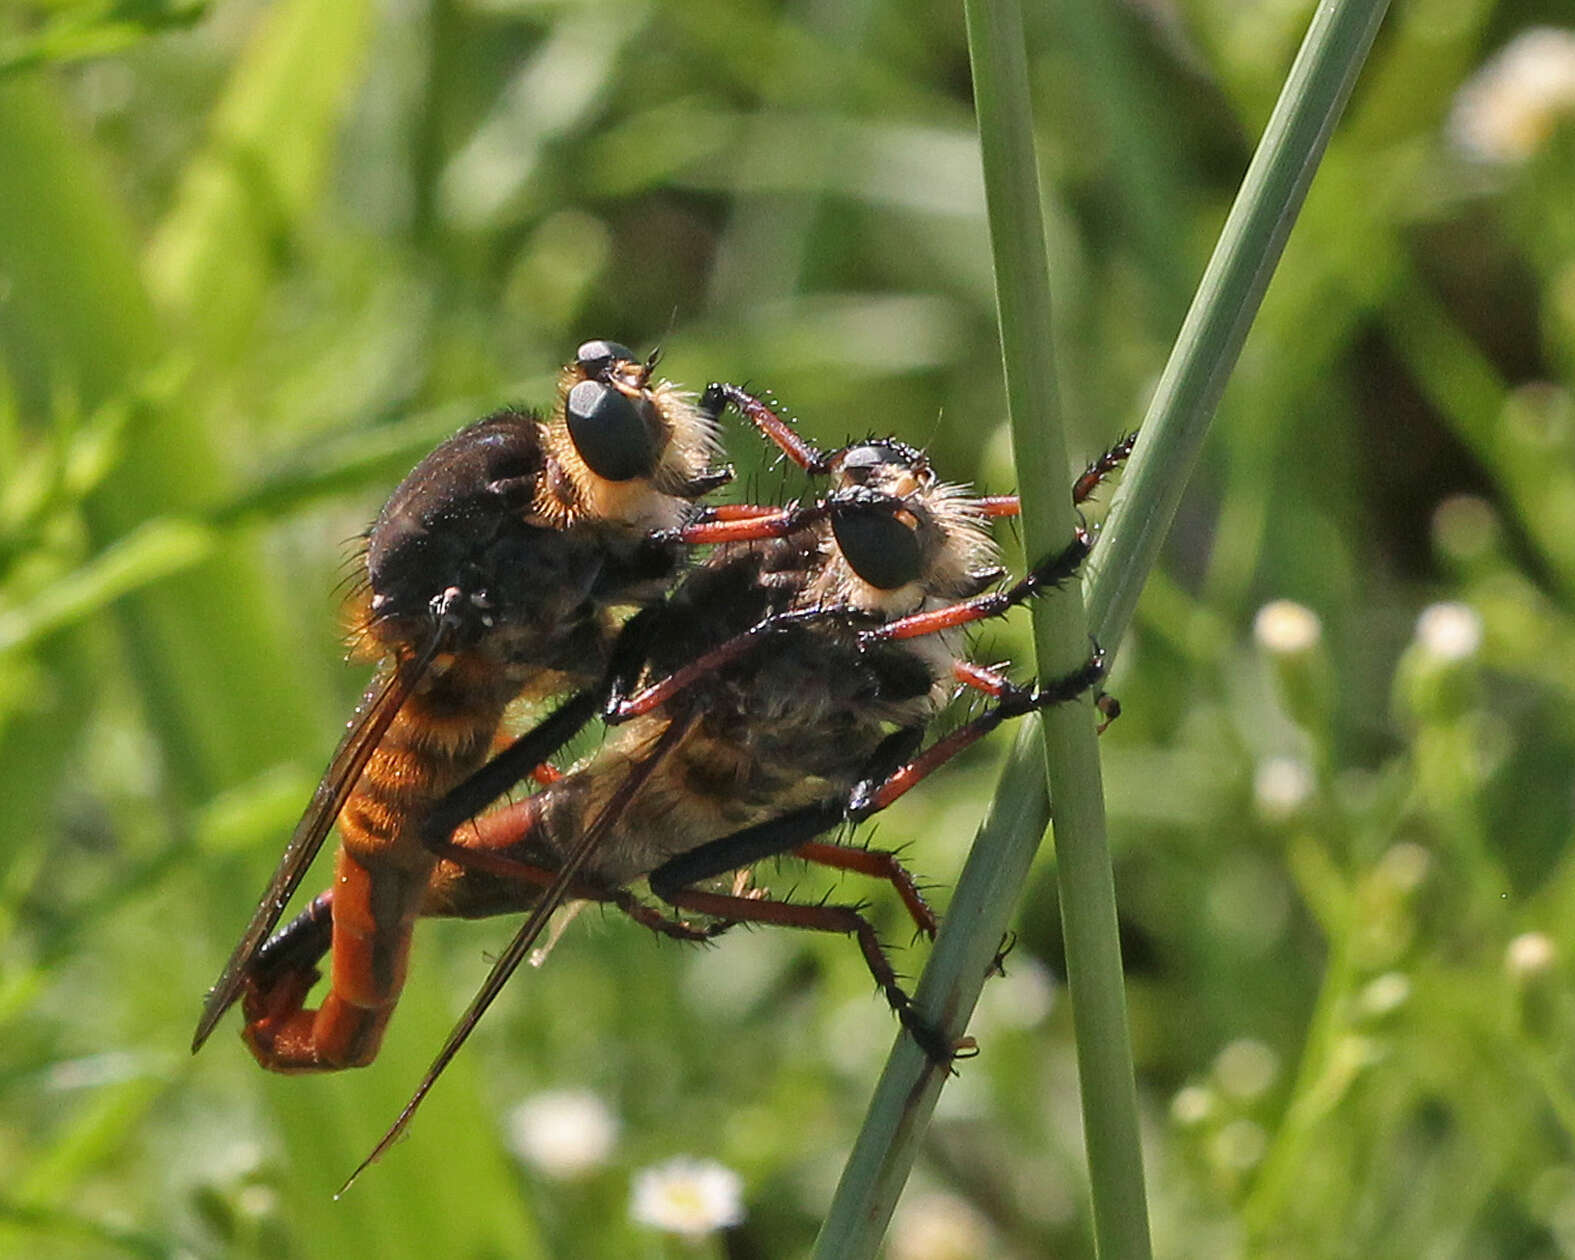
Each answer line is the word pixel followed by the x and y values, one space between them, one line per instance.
pixel 758 698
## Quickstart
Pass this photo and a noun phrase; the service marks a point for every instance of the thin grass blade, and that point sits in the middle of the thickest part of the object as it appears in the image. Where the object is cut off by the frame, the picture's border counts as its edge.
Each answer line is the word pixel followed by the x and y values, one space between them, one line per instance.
pixel 1314 95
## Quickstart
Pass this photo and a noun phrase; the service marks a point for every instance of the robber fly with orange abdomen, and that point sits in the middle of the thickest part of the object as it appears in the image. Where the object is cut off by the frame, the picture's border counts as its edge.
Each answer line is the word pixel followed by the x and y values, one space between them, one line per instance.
pixel 786 688
pixel 500 568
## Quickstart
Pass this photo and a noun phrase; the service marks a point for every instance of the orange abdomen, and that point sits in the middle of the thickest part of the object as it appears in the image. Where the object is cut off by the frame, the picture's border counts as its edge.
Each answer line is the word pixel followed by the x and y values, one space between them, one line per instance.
pixel 442 735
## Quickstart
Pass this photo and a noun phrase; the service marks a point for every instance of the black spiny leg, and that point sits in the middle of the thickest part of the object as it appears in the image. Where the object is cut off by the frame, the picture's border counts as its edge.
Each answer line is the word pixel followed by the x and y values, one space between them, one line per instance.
pixel 795 833
pixel 1011 700
pixel 509 767
pixel 299 945
pixel 536 746
pixel 744 848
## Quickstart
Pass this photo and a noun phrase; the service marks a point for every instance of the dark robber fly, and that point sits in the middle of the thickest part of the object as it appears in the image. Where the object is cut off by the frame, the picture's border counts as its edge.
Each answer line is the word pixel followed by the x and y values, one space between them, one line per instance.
pixel 783 689
pixel 500 568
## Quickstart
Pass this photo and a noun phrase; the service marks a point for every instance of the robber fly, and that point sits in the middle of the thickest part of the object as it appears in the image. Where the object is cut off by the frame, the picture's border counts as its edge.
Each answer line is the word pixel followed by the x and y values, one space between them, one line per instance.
pixel 786 688
pixel 498 569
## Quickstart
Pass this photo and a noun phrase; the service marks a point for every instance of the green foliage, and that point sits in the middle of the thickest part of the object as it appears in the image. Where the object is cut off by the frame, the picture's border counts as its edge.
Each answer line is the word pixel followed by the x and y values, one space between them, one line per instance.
pixel 251 269
pixel 79 31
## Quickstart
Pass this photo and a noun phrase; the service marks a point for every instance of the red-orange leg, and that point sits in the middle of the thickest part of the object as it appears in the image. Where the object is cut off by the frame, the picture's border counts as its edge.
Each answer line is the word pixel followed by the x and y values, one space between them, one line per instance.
pixel 1012 701
pixel 1100 468
pixel 877 864
pixel 981 678
pixel 993 683
pixel 844 920
pixel 482 849
pixel 766 523
pixel 760 414
pixel 741 511
pixel 997 505
pixel 1043 577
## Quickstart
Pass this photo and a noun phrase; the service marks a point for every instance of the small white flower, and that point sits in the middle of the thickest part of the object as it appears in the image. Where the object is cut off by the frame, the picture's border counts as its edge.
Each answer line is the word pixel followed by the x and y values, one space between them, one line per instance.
pixel 1512 104
pixel 1385 994
pixel 1405 866
pixel 257 1201
pixel 1239 1145
pixel 1280 787
pixel 688 1196
pixel 1284 628
pixel 1530 954
pixel 1192 1106
pixel 1449 632
pixel 563 1133
pixel 1246 1068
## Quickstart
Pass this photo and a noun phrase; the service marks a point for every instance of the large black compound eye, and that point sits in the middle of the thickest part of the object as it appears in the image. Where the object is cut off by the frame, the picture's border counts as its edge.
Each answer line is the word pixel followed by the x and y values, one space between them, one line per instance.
pixel 611 436
pixel 858 462
pixel 882 547
pixel 594 358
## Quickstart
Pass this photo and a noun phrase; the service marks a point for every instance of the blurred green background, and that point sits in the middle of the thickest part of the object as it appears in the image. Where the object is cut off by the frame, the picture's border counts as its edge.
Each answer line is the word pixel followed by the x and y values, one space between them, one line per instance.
pixel 255 259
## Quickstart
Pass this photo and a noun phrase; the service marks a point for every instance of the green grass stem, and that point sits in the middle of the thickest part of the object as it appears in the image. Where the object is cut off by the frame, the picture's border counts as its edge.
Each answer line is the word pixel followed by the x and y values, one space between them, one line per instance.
pixel 1206 350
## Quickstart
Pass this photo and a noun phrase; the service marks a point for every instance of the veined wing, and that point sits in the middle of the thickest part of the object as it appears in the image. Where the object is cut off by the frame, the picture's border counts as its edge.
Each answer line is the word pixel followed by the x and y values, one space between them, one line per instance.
pixel 509 961
pixel 376 713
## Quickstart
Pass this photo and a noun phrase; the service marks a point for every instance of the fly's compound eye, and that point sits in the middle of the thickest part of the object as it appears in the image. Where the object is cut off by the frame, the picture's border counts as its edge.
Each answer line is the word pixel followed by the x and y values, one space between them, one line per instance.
pixel 611 435
pixel 882 547
pixel 594 358
pixel 889 460
pixel 858 462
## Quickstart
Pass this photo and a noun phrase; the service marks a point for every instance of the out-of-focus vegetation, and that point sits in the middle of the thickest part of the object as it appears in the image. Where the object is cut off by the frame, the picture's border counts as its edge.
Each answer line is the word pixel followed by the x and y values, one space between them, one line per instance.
pixel 255 259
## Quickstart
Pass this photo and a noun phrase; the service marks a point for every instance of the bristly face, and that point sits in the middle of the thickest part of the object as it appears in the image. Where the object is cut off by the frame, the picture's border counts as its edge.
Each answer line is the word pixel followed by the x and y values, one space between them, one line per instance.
pixel 622 449
pixel 899 537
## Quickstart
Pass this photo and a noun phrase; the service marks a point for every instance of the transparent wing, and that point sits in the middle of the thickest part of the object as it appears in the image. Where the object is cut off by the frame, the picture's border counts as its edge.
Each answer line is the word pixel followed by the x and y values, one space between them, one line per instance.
pixel 521 945
pixel 377 710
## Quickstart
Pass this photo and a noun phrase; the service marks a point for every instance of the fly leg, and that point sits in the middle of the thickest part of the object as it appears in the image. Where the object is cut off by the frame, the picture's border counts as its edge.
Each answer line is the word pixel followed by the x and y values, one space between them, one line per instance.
pixel 877 864
pixel 760 413
pixel 1044 577
pixel 846 920
pixel 794 833
pixel 797 832
pixel 487 873
pixel 1011 700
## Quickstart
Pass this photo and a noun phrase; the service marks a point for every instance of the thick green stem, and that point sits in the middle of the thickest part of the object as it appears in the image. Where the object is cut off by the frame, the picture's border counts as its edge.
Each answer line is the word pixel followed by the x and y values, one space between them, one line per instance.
pixel 1206 350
